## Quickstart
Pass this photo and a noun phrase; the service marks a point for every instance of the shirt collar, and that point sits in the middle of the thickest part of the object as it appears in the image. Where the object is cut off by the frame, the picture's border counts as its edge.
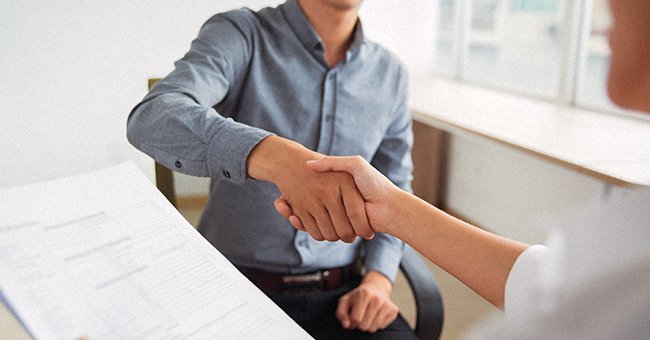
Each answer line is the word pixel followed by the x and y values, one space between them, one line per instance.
pixel 298 22
pixel 309 38
pixel 358 39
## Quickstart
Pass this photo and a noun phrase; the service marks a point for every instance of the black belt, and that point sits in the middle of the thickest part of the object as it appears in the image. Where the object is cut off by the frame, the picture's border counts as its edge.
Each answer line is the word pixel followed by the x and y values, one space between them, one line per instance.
pixel 321 280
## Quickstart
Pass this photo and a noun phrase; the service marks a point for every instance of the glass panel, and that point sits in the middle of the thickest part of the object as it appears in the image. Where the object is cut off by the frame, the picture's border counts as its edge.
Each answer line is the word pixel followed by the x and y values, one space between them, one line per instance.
pixel 516 44
pixel 592 91
pixel 446 58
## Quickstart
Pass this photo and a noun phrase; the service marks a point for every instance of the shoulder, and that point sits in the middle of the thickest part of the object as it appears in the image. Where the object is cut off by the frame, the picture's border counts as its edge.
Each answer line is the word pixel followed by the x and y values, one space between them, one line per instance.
pixel 248 22
pixel 242 17
pixel 381 61
pixel 383 57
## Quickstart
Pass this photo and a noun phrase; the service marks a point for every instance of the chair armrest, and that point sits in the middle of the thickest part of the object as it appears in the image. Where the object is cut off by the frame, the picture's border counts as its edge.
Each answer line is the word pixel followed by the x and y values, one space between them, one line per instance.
pixel 428 301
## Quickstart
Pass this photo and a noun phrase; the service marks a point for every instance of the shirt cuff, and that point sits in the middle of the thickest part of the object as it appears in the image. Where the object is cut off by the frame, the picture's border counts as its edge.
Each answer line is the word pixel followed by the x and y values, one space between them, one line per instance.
pixel 384 254
pixel 228 150
pixel 524 278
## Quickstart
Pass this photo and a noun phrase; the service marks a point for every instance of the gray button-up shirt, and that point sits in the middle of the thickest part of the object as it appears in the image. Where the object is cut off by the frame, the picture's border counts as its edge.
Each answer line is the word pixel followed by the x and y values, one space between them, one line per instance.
pixel 252 74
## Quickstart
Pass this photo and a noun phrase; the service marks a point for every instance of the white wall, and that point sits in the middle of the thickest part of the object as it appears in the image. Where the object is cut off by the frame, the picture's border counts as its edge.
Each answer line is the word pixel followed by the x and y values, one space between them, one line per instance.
pixel 72 70
pixel 405 27
pixel 515 194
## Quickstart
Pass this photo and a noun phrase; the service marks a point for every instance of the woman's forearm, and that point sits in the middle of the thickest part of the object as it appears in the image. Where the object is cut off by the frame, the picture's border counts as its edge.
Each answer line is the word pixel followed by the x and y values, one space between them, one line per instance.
pixel 479 259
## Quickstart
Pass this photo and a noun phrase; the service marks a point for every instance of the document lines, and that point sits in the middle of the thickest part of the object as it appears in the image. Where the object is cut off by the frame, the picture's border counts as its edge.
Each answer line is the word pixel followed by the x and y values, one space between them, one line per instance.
pixel 104 255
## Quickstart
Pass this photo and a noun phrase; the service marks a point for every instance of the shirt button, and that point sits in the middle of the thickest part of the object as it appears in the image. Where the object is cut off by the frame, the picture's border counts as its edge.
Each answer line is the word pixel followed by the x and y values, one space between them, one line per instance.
pixel 226 174
pixel 178 164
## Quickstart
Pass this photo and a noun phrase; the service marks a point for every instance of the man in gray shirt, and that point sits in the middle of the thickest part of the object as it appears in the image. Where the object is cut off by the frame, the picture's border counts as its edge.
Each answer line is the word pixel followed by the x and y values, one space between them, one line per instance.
pixel 259 94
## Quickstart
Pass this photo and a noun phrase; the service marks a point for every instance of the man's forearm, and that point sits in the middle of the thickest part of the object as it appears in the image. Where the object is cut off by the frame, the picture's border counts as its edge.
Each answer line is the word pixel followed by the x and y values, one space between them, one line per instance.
pixel 270 158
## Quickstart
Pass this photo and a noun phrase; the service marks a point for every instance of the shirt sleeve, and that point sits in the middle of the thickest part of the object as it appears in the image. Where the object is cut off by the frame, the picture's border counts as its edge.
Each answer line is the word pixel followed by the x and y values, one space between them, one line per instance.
pixel 524 280
pixel 393 159
pixel 176 123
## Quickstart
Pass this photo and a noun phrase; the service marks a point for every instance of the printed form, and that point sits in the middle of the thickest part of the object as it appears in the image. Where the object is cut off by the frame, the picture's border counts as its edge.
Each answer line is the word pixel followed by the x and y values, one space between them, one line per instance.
pixel 105 256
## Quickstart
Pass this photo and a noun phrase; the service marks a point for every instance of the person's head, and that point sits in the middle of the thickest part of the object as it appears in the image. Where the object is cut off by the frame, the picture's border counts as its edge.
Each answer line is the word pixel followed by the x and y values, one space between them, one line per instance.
pixel 628 84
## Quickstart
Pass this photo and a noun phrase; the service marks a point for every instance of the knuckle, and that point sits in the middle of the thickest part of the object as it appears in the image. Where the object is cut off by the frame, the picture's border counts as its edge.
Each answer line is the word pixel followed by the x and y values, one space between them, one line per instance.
pixel 316 236
pixel 356 214
pixel 366 233
pixel 348 238
pixel 332 238
pixel 347 233
pixel 329 235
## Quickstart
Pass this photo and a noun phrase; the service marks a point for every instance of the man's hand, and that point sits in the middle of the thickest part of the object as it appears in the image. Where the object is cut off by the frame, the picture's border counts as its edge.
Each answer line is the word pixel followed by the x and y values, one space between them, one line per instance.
pixel 368 307
pixel 328 204
pixel 379 193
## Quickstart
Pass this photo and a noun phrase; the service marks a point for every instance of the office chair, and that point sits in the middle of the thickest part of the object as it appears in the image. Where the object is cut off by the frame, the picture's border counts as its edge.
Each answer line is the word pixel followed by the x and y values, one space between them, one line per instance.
pixel 429 309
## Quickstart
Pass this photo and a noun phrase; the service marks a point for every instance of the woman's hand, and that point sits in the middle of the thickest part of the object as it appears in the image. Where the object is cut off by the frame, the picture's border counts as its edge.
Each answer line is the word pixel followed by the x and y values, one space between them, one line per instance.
pixel 377 191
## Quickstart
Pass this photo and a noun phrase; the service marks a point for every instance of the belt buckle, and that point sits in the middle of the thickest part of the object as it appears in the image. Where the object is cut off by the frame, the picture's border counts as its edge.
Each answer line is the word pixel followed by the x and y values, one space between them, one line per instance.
pixel 309 283
pixel 298 279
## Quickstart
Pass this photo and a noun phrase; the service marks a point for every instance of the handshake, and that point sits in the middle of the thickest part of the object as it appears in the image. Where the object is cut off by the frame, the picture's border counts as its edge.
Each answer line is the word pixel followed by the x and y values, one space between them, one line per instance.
pixel 331 198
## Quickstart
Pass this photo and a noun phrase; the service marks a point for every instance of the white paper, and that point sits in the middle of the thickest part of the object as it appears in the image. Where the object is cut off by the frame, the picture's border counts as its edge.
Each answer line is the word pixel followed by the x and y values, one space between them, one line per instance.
pixel 105 256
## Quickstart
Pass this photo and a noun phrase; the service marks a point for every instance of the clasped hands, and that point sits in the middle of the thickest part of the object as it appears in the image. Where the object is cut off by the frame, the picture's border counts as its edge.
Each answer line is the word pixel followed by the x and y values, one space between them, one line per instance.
pixel 331 198
pixel 357 177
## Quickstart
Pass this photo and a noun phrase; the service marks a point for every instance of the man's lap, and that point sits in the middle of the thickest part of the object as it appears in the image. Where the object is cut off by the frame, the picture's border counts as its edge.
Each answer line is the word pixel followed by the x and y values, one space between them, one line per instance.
pixel 316 313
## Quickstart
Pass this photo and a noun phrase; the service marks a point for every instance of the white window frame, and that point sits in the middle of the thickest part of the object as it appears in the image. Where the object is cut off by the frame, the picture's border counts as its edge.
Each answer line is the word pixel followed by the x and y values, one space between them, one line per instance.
pixel 577 24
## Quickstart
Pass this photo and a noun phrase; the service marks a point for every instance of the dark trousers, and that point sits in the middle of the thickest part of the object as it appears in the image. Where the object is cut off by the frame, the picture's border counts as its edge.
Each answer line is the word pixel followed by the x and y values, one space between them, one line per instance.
pixel 316 313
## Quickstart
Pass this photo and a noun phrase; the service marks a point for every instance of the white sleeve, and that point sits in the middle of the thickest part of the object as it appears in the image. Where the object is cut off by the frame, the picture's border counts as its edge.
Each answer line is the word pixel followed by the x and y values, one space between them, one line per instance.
pixel 524 279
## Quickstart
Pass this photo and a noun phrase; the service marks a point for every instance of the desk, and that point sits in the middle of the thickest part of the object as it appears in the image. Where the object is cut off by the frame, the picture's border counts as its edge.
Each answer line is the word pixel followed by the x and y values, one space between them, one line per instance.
pixel 612 149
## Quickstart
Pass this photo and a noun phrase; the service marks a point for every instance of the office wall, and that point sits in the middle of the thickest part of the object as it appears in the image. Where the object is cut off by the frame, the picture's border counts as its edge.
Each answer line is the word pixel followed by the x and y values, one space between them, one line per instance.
pixel 515 194
pixel 72 70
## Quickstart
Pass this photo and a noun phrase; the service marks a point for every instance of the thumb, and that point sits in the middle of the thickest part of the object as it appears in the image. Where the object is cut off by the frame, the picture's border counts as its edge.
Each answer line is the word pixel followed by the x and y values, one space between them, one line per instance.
pixel 333 163
pixel 343 311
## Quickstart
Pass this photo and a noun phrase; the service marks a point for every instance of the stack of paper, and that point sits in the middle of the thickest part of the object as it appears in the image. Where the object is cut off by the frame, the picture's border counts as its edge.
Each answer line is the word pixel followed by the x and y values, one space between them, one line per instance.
pixel 104 255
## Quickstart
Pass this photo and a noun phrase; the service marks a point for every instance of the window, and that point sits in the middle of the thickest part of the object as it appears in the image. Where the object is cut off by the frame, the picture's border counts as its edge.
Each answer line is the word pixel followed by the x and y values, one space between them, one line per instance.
pixel 591 91
pixel 551 49
pixel 514 45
